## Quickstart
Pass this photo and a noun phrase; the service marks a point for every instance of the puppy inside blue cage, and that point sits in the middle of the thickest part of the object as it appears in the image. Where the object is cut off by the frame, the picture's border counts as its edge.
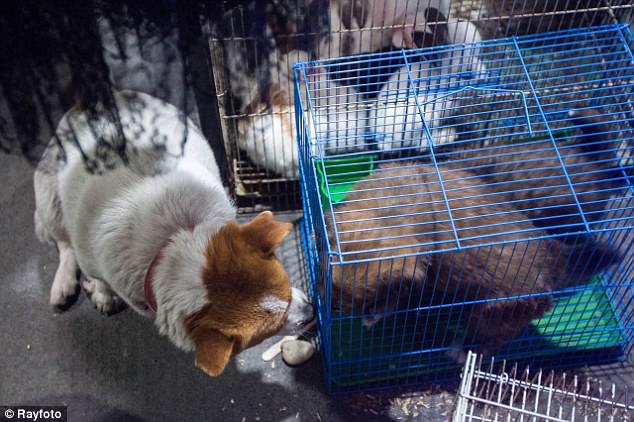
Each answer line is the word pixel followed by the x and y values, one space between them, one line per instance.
pixel 496 215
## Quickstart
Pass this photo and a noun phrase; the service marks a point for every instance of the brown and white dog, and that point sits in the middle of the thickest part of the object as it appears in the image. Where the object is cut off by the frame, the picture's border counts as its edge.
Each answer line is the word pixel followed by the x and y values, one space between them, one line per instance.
pixel 159 232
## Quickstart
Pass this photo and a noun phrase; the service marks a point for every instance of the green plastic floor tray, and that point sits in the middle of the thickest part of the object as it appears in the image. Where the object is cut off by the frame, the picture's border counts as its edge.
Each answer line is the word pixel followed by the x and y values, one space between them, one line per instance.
pixel 338 175
pixel 578 322
pixel 581 321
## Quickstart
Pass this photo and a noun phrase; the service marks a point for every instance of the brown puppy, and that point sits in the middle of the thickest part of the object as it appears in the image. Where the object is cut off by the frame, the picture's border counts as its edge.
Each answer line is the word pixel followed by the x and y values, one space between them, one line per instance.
pixel 400 210
pixel 368 230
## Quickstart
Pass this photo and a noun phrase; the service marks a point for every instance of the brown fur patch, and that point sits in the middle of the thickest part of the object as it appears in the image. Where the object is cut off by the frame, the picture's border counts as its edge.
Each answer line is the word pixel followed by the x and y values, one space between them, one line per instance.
pixel 241 269
pixel 412 190
pixel 532 175
pixel 512 188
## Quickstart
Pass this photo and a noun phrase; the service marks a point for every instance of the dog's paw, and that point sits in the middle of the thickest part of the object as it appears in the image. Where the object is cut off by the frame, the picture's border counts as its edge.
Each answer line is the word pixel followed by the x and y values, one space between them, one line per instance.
pixel 64 293
pixel 104 299
pixel 107 303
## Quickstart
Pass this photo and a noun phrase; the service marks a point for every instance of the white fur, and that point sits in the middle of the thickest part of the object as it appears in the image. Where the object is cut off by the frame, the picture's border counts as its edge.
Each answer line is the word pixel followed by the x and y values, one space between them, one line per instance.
pixel 345 38
pixel 177 285
pixel 101 295
pixel 338 117
pixel 468 55
pixel 268 135
pixel 397 19
pixel 273 304
pixel 336 123
pixel 463 32
pixel 65 282
pixel 268 139
pixel 299 312
pixel 118 220
pixel 396 119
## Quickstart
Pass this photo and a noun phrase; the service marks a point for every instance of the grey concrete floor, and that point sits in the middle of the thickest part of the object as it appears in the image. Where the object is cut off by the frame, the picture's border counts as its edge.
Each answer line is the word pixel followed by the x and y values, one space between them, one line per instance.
pixel 118 368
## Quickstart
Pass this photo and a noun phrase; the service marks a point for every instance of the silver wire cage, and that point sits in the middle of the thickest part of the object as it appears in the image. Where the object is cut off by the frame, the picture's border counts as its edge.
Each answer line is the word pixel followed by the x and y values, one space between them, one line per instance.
pixel 478 196
pixel 499 391
pixel 255 45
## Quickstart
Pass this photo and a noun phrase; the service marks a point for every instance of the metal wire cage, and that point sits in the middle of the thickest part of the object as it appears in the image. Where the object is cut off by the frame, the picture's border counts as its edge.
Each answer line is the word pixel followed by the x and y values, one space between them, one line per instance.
pixel 504 392
pixel 476 196
pixel 254 46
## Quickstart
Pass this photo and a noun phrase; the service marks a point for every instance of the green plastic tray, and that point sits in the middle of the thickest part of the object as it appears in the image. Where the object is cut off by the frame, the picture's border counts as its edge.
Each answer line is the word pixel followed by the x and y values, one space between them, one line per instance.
pixel 578 322
pixel 338 175
pixel 581 321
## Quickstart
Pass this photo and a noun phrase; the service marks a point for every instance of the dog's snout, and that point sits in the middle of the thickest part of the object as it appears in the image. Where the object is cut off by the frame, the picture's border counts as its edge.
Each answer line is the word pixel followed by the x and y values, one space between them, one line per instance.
pixel 300 314
pixel 303 308
pixel 308 313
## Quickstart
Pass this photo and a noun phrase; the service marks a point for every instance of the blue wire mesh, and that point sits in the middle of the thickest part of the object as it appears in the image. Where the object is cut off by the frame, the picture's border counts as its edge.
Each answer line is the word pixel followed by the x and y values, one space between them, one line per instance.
pixel 469 196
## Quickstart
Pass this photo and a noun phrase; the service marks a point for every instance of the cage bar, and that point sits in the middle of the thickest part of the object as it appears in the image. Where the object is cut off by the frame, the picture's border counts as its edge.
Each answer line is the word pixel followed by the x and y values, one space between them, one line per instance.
pixel 510 199
pixel 490 391
pixel 265 42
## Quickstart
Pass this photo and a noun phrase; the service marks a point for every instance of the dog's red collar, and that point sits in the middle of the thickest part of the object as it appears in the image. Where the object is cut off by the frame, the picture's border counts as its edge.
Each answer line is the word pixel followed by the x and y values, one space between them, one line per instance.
pixel 148 289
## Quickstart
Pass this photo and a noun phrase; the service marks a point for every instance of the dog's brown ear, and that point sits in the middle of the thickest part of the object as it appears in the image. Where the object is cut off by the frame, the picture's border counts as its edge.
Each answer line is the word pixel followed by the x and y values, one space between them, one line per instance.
pixel 265 232
pixel 213 351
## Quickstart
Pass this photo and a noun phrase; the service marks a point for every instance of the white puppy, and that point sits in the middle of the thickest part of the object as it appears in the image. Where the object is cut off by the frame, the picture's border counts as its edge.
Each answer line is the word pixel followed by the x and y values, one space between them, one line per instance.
pixel 158 231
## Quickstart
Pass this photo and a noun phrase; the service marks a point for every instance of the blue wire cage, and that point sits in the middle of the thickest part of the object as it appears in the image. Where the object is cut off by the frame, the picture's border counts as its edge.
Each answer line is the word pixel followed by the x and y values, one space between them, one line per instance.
pixel 471 196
